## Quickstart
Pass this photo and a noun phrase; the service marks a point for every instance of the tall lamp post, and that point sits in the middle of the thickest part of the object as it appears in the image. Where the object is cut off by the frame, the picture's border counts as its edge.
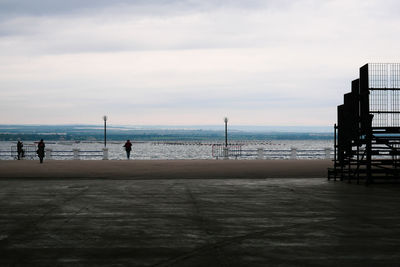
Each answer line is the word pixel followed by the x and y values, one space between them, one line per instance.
pixel 105 130
pixel 226 131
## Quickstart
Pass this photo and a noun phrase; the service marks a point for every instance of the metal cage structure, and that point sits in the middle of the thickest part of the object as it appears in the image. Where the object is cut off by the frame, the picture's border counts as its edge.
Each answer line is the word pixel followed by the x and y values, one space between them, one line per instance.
pixel 367 133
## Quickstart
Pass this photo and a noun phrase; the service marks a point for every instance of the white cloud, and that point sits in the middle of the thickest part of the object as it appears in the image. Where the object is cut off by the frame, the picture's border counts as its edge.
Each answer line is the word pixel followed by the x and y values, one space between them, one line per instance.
pixel 191 62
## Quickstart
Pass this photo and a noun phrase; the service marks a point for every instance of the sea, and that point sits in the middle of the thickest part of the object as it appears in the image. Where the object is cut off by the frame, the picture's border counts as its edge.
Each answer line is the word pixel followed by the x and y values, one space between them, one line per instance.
pixel 152 150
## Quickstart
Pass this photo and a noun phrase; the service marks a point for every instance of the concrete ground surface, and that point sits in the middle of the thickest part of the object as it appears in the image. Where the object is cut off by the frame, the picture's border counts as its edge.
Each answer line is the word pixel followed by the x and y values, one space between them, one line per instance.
pixel 197 222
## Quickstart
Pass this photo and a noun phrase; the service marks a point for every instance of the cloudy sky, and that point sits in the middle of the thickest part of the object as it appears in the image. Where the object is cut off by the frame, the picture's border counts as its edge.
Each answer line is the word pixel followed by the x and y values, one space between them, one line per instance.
pixel 272 62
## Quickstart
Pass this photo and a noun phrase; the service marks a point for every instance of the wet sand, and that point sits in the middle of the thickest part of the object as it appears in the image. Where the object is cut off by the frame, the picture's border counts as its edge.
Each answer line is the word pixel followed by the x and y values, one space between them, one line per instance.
pixel 165 169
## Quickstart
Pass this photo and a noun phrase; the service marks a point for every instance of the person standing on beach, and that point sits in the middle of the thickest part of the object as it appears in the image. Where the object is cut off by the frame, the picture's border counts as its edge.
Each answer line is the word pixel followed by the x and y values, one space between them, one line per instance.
pixel 40 150
pixel 20 151
pixel 128 148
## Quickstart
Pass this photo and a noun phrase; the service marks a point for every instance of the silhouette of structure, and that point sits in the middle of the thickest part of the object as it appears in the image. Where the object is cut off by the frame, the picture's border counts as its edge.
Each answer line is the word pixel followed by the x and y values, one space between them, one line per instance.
pixel 367 134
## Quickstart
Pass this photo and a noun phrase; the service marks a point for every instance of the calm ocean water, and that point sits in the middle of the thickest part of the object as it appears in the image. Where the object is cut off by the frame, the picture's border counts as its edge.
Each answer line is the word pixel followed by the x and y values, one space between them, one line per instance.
pixel 275 149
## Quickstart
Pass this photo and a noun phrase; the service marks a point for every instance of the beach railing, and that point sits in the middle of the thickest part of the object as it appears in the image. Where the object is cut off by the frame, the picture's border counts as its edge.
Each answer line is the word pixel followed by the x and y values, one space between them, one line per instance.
pixel 222 151
pixel 29 152
pixel 76 154
pixel 219 151
pixel 261 153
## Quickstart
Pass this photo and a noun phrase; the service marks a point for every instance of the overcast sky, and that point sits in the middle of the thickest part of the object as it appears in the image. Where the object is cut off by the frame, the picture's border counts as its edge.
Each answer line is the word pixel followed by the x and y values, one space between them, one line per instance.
pixel 188 62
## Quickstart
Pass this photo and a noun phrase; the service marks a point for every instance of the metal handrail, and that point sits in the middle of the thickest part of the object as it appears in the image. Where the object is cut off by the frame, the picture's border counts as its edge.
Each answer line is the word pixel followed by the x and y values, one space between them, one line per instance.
pixel 270 153
pixel 30 153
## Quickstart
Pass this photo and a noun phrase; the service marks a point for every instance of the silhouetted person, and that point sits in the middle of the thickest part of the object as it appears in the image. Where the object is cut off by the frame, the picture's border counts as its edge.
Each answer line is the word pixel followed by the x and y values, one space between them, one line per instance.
pixel 128 148
pixel 20 151
pixel 40 150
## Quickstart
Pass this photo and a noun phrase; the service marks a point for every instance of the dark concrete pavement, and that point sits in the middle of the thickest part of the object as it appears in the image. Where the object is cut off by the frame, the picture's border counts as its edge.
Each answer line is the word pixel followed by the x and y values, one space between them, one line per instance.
pixel 198 222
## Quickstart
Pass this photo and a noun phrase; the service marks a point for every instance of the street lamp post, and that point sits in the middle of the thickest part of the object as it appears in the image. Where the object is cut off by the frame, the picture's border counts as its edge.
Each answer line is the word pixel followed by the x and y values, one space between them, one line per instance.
pixel 105 130
pixel 226 131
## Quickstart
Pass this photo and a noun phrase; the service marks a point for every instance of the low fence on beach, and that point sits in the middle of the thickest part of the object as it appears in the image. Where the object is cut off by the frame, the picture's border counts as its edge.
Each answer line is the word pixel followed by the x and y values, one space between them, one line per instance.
pixel 29 152
pixel 236 151
pixel 226 151
pixel 148 151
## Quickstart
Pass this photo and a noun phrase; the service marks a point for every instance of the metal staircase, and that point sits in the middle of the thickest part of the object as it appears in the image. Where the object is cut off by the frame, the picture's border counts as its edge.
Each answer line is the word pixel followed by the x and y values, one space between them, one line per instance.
pixel 367 135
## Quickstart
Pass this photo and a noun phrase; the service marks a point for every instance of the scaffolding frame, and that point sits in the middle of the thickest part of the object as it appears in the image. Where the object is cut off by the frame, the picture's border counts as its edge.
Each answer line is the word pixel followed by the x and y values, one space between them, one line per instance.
pixel 367 133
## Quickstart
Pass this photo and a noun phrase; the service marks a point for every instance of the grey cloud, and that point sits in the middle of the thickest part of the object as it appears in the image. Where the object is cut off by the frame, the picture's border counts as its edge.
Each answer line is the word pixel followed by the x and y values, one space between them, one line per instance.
pixel 50 48
pixel 55 7
pixel 37 20
pixel 204 101
pixel 52 7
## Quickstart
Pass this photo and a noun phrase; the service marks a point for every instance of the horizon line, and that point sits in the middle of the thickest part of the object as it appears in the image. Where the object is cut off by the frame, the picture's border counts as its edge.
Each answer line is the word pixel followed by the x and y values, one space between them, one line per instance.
pixel 149 125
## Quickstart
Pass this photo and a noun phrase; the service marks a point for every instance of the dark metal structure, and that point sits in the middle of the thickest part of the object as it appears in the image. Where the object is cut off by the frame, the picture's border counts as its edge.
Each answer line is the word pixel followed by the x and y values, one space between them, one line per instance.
pixel 105 130
pixel 226 131
pixel 367 133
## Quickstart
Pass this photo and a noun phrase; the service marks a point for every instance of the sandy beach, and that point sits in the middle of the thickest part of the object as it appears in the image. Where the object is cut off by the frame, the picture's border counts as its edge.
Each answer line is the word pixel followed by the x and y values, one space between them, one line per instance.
pixel 166 169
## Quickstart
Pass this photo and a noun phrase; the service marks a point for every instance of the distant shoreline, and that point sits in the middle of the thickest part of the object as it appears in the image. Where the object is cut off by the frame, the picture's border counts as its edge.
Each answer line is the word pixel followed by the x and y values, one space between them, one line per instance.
pixel 161 133
pixel 168 137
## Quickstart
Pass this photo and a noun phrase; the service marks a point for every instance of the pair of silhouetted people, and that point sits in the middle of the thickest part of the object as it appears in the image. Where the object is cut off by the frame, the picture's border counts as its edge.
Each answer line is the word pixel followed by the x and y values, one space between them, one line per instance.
pixel 20 150
pixel 40 150
pixel 128 148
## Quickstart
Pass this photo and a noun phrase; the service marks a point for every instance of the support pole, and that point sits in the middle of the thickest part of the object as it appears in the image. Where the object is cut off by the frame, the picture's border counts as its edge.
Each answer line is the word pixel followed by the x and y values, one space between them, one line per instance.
pixel 327 151
pixel 226 131
pixel 48 153
pixel 368 149
pixel 293 153
pixel 105 153
pixel 260 153
pixel 105 130
pixel 335 152
pixel 76 153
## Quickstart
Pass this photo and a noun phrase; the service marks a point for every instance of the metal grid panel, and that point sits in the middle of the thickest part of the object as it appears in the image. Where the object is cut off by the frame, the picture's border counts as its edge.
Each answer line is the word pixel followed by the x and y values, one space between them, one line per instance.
pixel 384 75
pixel 385 106
pixel 384 99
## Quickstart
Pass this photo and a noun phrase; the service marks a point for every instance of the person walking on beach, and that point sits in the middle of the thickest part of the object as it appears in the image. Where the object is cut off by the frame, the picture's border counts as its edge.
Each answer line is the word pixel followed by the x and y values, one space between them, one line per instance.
pixel 20 151
pixel 40 150
pixel 128 148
